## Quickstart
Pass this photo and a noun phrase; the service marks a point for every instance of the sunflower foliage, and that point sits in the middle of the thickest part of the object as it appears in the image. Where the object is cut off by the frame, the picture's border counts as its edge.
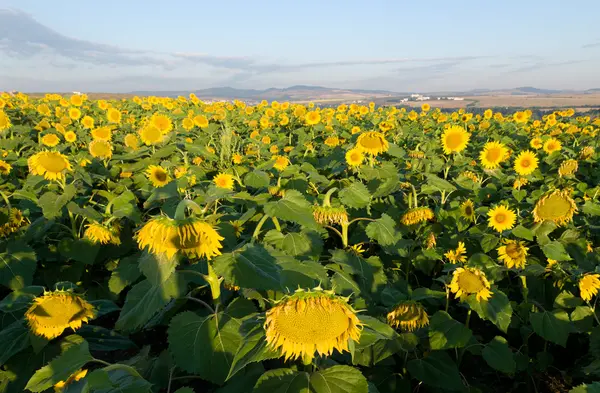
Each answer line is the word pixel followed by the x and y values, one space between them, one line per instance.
pixel 171 245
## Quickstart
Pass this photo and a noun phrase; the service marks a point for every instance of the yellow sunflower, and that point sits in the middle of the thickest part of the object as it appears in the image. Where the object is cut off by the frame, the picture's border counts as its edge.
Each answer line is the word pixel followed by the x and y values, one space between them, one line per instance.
pixel 5 167
pixel 501 218
pixel 132 141
pixel 162 122
pixel 102 133
pixel 470 281
pixel 74 113
pixel 4 121
pixel 417 215
pixel 552 145
pixel 568 168
pixel 557 206
pixel 201 121
pixel 458 255
pixel 536 143
pixel 224 180
pixel 50 164
pixel 191 237
pixel 589 285
pixel 313 117
pixel 151 135
pixel 113 116
pixel 100 149
pixel 70 136
pixel 408 315
pixel 87 122
pixel 51 314
pixel 281 162
pixel 354 157
pixel 236 158
pixel 525 163
pixel 308 322
pixel 455 139
pixel 493 154
pixel 467 210
pixel 513 254
pixel 158 176
pixel 327 215
pixel 50 140
pixel 372 143
pixel 102 234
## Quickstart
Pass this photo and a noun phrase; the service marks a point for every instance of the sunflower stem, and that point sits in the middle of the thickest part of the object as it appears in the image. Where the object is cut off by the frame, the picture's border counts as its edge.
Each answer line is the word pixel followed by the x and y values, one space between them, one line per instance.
pixel 101 362
pixel 345 235
pixel 6 201
pixel 212 311
pixel 276 223
pixel 593 308
pixel 447 298
pixel 259 226
pixel 525 289
pixel 361 219
pixel 215 284
pixel 327 199
pixel 181 207
pixel 468 318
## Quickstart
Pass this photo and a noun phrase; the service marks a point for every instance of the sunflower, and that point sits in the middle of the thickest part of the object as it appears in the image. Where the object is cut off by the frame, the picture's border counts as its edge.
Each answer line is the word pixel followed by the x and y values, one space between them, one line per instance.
pixel 102 234
pixel 52 313
pixel 313 117
pixel 224 180
pixel 4 121
pixel 471 176
pixel 459 255
pixel 332 141
pixel 455 139
pixel 191 237
pixel 281 162
pixel 162 122
pixel 586 152
pixel 100 149
pixel 552 145
pixel 520 182
pixel 467 210
pixel 501 218
pixel 87 122
pixel 408 315
pixel 513 253
pixel 568 168
pixel 50 164
pixel 557 206
pixel 78 375
pixel 525 163
pixel 431 241
pixel 50 140
pixel 151 135
pixel 113 116
pixel 102 133
pixel 237 158
pixel 5 167
pixel 588 286
pixel 327 215
pixel 536 143
pixel 74 113
pixel 201 121
pixel 493 154
pixel 158 176
pixel 354 157
pixel 70 136
pixel 468 281
pixel 11 221
pixel 132 141
pixel 417 215
pixel 372 143
pixel 308 322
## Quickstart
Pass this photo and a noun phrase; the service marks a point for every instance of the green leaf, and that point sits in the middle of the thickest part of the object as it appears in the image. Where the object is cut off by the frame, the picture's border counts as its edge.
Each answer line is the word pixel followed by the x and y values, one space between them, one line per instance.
pixel 523 233
pixel 52 204
pixel 117 378
pixel 157 268
pixel 296 244
pixel 593 387
pixel 204 346
pixel 17 265
pixel 125 206
pixel 595 342
pixel 498 355
pixel 13 339
pixel 105 340
pixel 437 369
pixel 250 267
pixel 87 211
pixel 80 250
pixel 382 230
pixel 355 196
pixel 555 250
pixel 144 300
pixel 489 242
pixel 423 293
pixel 553 326
pixel 20 299
pixel 497 309
pixel 126 273
pixel 74 355
pixel 445 332
pixel 292 207
pixel 566 299
pixel 590 208
pixel 439 183
pixel 185 390
pixel 253 348
pixel 336 379
pixel 256 179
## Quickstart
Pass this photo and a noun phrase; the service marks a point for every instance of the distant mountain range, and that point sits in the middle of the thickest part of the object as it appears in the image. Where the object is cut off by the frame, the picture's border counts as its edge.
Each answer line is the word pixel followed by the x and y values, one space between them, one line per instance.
pixel 307 93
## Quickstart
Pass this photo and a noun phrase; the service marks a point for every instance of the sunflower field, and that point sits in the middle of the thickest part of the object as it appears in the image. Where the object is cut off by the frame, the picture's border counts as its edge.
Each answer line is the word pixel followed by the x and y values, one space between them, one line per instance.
pixel 172 245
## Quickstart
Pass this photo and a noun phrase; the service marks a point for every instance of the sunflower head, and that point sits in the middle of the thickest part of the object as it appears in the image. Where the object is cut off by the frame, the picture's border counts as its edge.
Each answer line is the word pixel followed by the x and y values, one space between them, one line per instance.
pixel 458 255
pixel 417 215
pixel 151 135
pixel 191 237
pixel 132 141
pixel 158 176
pixel 354 157
pixel 102 133
pixel 557 206
pixel 568 168
pixel 52 313
pixel 467 210
pixel 50 164
pixel 513 253
pixel 103 234
pixel 11 221
pixel 525 163
pixel 326 215
pixel 470 281
pixel 586 152
pixel 501 218
pixel 455 139
pixel 493 154
pixel 5 167
pixel 552 145
pixel 408 316
pixel 589 285
pixel 99 148
pixel 281 162
pixel 224 180
pixel 372 143
pixel 311 321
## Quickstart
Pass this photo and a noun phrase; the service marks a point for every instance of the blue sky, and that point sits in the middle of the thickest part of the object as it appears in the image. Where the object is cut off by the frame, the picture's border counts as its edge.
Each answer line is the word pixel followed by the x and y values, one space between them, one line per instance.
pixel 372 44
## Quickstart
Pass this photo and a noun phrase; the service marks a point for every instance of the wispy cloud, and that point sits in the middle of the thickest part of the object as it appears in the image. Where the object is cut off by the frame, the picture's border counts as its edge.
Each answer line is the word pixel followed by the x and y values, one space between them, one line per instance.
pixel 592 45
pixel 541 65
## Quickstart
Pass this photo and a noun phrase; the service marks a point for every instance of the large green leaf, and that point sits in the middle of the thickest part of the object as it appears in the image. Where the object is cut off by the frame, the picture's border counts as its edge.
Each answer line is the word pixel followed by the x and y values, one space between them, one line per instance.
pixel 126 273
pixel 497 309
pixel 355 196
pixel 253 348
pixel 554 326
pixel 437 369
pixel 292 207
pixel 20 298
pixel 74 355
pixel 52 204
pixel 250 267
pixel 117 378
pixel 13 339
pixel 555 250
pixel 125 206
pixel 446 332
pixel 383 230
pixel 296 244
pixel 204 346
pixel 439 183
pixel 498 355
pixel 593 387
pixel 157 268
pixel 256 179
pixel 336 379
pixel 103 339
pixel 17 265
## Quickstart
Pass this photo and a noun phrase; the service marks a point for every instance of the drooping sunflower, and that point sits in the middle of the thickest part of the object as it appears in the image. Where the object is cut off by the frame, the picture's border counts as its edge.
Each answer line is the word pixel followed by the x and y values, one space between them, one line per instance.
pixel 501 218
pixel 588 286
pixel 458 255
pixel 468 281
pixel 151 135
pixel 327 215
pixel 471 176
pixel 191 237
pixel 513 254
pixel 455 139
pixel 408 315
pixel 311 321
pixel 568 168
pixel 417 215
pixel 50 140
pixel 557 206
pixel 552 145
pixel 493 154
pixel 5 167
pixel 52 313
pixel 372 143
pixel 158 176
pixel 103 234
pixel 526 162
pixel 586 153
pixel 281 162
pixel 102 133
pixel 100 148
pixel 354 157
pixel 50 164
pixel 467 210
pixel 224 180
